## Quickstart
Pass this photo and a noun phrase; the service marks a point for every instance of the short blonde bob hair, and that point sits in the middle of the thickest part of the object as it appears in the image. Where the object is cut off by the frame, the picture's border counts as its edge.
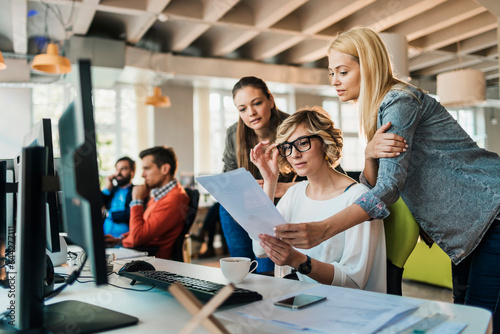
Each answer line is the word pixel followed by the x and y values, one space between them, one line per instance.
pixel 317 122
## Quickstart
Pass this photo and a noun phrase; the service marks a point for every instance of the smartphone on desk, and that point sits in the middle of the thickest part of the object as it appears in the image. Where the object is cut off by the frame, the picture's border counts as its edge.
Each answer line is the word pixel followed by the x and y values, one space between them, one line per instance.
pixel 299 301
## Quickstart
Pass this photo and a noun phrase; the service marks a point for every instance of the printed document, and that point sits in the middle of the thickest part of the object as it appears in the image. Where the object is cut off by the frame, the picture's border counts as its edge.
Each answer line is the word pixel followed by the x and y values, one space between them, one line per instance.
pixel 240 194
pixel 344 311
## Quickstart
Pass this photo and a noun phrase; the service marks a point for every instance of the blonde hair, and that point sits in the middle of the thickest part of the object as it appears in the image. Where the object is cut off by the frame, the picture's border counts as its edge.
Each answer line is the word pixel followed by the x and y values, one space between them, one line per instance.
pixel 376 74
pixel 317 122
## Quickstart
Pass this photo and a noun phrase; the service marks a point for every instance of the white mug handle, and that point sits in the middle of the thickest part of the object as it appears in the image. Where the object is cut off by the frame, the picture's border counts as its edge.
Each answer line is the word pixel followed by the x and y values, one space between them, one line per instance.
pixel 256 265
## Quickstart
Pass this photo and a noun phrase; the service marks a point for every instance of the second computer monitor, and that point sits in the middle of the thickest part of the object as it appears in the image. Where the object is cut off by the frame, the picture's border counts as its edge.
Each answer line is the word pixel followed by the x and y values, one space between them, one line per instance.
pixel 41 135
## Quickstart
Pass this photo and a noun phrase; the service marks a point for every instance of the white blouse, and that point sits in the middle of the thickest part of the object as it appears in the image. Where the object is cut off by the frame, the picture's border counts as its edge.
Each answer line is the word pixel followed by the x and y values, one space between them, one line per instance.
pixel 358 254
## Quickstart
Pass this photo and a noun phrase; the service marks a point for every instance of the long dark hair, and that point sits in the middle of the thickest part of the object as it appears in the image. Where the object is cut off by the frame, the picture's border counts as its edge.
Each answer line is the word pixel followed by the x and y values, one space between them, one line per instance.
pixel 246 138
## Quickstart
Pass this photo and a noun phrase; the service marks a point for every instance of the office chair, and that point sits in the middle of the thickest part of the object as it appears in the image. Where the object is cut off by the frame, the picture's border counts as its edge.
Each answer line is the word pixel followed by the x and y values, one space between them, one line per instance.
pixel 401 235
pixel 182 249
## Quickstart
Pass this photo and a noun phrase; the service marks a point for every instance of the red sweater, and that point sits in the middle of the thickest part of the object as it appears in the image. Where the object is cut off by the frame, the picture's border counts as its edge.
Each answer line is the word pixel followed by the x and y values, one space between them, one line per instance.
pixel 160 224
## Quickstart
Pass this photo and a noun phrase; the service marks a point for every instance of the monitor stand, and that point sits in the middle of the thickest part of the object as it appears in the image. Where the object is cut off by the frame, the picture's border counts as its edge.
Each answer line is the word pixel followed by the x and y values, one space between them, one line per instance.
pixel 72 316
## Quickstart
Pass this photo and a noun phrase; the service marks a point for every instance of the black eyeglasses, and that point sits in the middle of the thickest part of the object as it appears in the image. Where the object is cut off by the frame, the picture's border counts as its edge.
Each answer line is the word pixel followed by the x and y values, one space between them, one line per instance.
pixel 301 144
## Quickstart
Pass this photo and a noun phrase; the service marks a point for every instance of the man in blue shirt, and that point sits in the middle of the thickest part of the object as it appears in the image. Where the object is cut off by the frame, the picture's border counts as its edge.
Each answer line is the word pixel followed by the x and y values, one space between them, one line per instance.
pixel 117 196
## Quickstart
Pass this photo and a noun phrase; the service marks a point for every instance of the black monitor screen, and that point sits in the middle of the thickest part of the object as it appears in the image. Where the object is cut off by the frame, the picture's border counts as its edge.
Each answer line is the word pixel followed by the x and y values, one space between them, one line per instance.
pixel 80 178
pixel 41 135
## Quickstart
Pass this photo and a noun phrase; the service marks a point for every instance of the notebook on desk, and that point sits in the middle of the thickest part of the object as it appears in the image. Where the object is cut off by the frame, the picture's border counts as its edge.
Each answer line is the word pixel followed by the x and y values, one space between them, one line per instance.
pixel 125 253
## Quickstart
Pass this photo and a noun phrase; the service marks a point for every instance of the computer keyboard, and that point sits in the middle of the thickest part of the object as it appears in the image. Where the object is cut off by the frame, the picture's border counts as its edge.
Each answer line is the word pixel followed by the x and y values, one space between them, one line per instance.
pixel 203 290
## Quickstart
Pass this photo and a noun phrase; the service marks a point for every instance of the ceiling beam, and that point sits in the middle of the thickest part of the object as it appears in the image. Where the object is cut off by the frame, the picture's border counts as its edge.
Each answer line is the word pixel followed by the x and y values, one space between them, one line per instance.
pixel 492 5
pixel 442 16
pixel 307 51
pixel 457 63
pixel 319 15
pixel 264 13
pixel 19 12
pixel 226 41
pixel 267 13
pixel 85 16
pixel 430 58
pixel 480 42
pixel 213 11
pixel 466 29
pixel 139 27
pixel 384 14
pixel 264 47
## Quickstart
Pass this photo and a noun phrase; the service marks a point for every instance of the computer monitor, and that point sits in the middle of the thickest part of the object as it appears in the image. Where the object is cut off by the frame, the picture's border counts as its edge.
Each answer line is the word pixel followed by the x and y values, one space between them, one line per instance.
pixel 81 215
pixel 10 200
pixel 41 135
pixel 7 215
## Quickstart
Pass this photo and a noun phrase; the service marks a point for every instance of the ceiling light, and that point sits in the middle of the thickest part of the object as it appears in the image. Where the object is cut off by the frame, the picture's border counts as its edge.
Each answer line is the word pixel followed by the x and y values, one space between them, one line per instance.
pixel 461 88
pixel 163 17
pixel 2 62
pixel 158 100
pixel 51 62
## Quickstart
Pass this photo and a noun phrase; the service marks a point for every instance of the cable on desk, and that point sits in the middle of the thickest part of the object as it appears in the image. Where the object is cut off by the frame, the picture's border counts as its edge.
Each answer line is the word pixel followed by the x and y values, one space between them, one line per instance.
pixel 130 289
pixel 70 280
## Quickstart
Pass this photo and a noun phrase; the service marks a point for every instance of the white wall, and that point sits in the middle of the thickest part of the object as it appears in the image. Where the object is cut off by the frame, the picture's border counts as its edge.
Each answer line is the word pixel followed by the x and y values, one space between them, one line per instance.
pixel 15 120
pixel 174 126
pixel 307 100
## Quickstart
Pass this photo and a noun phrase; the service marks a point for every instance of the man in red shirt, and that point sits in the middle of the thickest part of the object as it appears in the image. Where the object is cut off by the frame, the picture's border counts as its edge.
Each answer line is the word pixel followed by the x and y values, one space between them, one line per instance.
pixel 157 221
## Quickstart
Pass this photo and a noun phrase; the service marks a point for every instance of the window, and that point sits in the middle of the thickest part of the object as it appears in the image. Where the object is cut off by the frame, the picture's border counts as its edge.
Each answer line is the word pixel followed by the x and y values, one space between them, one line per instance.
pixel 49 101
pixel 115 118
pixel 223 114
pixel 469 120
pixel 345 117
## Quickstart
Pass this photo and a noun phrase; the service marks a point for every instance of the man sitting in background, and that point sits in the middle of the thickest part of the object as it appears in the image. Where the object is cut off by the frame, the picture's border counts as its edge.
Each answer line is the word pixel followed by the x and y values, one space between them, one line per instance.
pixel 162 221
pixel 117 197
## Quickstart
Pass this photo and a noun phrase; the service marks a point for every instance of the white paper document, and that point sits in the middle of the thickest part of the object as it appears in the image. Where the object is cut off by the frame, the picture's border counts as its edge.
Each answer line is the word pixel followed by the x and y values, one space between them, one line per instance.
pixel 344 311
pixel 240 194
pixel 125 253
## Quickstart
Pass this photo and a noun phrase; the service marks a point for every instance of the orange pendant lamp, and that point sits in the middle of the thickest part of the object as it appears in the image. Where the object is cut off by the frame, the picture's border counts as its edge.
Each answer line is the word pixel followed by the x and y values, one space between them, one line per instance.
pixel 158 100
pixel 51 62
pixel 2 62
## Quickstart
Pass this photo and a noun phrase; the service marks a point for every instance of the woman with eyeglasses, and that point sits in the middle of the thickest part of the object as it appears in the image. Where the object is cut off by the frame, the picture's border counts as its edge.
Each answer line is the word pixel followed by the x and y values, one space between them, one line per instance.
pixel 308 144
pixel 450 185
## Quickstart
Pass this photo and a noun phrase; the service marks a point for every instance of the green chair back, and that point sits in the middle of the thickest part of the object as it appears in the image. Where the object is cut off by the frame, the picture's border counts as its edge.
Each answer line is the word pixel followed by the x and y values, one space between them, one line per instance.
pixel 401 235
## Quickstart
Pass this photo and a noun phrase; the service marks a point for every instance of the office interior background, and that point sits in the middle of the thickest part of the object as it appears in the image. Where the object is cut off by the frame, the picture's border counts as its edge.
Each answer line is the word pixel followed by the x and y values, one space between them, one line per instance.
pixel 196 50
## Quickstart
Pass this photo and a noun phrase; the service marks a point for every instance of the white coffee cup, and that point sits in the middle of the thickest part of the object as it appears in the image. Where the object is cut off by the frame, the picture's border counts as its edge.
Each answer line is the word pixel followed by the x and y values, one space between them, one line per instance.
pixel 235 269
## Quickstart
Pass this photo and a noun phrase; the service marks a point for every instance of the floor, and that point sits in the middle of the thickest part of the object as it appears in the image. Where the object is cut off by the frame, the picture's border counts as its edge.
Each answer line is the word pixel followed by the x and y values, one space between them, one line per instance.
pixel 410 288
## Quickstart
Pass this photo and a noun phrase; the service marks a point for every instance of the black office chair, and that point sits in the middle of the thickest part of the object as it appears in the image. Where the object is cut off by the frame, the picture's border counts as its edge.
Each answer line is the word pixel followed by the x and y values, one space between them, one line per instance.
pixel 194 197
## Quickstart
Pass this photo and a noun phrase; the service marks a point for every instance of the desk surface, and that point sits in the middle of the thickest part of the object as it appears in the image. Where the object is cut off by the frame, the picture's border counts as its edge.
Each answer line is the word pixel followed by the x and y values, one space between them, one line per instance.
pixel 158 309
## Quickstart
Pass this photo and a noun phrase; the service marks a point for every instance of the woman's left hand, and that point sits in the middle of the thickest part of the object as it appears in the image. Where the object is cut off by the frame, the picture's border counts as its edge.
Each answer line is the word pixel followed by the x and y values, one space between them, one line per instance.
pixel 278 251
pixel 385 145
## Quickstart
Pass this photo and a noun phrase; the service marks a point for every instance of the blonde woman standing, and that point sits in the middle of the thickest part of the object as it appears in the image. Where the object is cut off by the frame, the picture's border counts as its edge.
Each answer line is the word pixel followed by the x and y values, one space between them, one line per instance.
pixel 451 186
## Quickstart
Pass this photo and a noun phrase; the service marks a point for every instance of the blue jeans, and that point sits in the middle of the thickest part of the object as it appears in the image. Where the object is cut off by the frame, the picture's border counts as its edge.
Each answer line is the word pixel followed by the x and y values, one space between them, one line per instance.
pixel 239 243
pixel 481 286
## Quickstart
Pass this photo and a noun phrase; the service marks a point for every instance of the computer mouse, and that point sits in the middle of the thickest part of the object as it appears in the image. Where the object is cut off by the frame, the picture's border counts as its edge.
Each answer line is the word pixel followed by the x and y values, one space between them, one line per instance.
pixel 135 266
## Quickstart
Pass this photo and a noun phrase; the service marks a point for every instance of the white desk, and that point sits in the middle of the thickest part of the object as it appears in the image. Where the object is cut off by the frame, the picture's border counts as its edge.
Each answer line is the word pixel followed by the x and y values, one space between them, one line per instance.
pixel 159 312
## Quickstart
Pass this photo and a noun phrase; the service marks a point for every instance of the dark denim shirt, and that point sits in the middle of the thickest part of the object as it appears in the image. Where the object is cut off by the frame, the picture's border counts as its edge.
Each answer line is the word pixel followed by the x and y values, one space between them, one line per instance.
pixel 451 186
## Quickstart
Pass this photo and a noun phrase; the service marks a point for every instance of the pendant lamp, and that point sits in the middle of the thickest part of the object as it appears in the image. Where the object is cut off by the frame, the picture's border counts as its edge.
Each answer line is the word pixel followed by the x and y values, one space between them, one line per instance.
pixel 2 62
pixel 461 88
pixel 158 100
pixel 51 62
